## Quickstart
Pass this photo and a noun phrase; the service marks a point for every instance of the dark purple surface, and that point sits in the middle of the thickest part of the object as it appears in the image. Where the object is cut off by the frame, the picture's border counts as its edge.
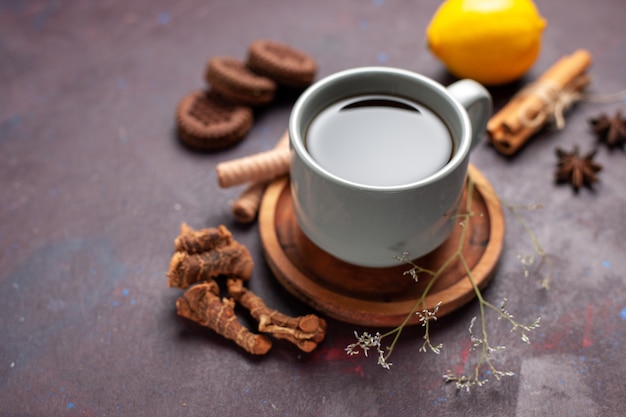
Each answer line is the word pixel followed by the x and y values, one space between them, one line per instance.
pixel 95 185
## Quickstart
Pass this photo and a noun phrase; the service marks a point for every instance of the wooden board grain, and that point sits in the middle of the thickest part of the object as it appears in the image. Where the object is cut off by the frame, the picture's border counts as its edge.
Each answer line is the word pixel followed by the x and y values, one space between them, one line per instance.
pixel 381 296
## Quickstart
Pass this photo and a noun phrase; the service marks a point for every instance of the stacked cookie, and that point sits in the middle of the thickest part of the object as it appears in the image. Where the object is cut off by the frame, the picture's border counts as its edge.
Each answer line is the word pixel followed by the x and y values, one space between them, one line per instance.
pixel 221 115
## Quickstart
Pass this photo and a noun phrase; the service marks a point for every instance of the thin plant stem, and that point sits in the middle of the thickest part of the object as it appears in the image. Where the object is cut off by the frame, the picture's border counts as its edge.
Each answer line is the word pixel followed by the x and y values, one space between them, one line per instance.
pixel 367 341
pixel 458 253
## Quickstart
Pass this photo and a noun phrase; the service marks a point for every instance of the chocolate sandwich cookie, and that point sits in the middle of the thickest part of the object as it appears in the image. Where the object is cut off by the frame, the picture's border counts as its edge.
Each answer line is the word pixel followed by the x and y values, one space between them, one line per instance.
pixel 205 121
pixel 233 80
pixel 282 63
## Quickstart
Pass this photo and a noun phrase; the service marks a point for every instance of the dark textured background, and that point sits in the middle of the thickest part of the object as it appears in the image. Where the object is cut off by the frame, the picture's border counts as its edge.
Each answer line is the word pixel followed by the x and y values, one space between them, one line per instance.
pixel 95 185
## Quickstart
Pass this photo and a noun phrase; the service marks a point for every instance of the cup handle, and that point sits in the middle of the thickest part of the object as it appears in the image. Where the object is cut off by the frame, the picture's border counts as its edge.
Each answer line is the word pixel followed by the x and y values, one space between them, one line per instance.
pixel 477 102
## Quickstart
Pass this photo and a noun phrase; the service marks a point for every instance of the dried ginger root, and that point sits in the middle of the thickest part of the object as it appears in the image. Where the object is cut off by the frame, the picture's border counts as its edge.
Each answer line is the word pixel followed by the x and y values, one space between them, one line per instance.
pixel 203 240
pixel 306 332
pixel 201 256
pixel 202 305
pixel 208 253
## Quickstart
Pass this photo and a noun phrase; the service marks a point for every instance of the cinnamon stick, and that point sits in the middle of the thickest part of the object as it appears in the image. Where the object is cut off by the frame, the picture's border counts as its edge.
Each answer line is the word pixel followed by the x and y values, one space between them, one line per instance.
pixel 543 101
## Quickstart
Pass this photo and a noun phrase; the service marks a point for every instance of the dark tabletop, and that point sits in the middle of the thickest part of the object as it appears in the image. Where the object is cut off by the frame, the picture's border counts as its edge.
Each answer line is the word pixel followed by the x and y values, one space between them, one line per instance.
pixel 95 186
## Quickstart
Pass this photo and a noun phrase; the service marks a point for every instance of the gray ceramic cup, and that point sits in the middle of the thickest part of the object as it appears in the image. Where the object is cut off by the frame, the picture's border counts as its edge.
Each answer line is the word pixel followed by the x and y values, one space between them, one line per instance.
pixel 371 225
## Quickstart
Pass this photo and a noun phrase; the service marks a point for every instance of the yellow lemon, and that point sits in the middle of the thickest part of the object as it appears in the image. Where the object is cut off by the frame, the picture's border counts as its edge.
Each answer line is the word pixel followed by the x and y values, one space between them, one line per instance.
pixel 491 41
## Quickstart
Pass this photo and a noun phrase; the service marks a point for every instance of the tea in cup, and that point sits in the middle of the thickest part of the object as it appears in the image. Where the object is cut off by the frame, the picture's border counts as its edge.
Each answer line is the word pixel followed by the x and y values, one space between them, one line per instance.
pixel 380 157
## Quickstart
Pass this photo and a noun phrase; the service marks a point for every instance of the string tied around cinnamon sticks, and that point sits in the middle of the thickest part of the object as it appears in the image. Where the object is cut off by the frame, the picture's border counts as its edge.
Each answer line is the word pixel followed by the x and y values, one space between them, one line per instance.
pixel 555 102
pixel 544 101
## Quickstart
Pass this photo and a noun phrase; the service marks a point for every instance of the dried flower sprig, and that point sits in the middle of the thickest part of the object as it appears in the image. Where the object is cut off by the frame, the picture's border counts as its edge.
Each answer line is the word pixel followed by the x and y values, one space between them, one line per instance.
pixel 528 260
pixel 365 342
pixel 481 342
pixel 425 317
pixel 484 366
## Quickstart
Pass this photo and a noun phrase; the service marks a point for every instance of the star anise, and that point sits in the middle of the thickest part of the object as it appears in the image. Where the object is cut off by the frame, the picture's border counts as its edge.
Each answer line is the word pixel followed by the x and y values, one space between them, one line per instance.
pixel 575 169
pixel 610 130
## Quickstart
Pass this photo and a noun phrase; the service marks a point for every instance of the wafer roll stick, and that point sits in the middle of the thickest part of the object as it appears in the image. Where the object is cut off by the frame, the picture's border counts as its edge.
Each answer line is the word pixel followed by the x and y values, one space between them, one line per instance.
pixel 246 207
pixel 261 167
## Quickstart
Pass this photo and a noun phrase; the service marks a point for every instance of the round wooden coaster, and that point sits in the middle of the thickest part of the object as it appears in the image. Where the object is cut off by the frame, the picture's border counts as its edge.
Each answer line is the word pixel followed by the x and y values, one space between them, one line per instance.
pixel 383 296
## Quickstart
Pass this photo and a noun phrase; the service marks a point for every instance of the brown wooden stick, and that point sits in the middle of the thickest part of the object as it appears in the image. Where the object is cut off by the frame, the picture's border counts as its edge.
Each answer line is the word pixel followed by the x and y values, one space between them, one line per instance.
pixel 246 207
pixel 202 305
pixel 510 128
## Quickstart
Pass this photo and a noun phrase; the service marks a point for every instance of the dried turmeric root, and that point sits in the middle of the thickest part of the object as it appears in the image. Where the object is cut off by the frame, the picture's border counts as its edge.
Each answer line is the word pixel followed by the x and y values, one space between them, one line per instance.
pixel 202 305
pixel 203 240
pixel 205 254
pixel 201 256
pixel 306 332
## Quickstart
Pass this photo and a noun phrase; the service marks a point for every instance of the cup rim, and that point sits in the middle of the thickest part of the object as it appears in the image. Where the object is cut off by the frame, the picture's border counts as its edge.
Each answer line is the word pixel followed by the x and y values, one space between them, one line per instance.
pixel 297 142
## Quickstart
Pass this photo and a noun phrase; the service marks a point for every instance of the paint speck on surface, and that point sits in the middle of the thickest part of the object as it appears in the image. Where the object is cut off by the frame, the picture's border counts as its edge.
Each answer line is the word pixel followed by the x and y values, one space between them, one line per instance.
pixel 382 57
pixel 439 400
pixel 164 18
pixel 7 127
pixel 122 135
pixel 70 405
pixel 12 364
pixel 622 313
pixel 125 292
pixel 116 303
pixel 587 331
pixel 177 206
pixel 133 301
pixel 465 353
pixel 562 390
pixel 55 305
pixel 606 264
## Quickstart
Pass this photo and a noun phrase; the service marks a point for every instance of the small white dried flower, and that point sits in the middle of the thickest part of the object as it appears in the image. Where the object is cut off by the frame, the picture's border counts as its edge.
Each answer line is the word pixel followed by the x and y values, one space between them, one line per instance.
pixel 382 361
pixel 471 326
pixel 527 261
pixel 413 273
pixel 364 342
